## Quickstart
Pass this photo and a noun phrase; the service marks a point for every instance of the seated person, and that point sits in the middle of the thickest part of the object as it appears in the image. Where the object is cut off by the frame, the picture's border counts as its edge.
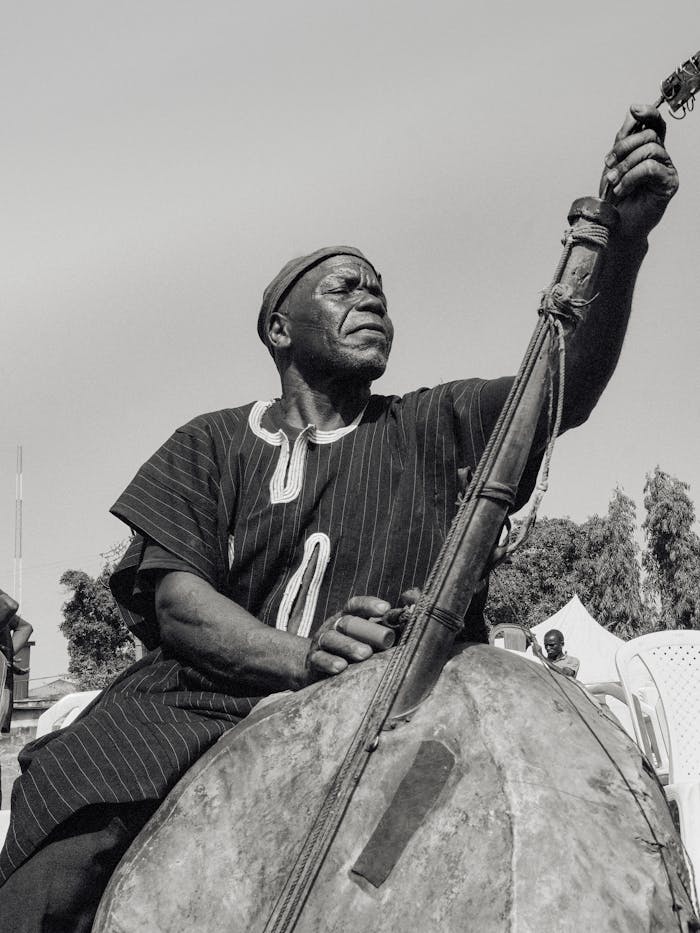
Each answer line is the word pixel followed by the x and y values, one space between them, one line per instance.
pixel 261 531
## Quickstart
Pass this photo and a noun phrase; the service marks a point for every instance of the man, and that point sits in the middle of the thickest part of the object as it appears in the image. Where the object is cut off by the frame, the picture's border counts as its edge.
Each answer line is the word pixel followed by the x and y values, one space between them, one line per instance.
pixel 8 615
pixel 264 534
pixel 15 632
pixel 12 640
pixel 554 646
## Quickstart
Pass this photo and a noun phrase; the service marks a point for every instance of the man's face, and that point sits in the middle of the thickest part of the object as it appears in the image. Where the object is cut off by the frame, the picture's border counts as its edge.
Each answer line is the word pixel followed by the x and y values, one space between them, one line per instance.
pixel 553 646
pixel 337 320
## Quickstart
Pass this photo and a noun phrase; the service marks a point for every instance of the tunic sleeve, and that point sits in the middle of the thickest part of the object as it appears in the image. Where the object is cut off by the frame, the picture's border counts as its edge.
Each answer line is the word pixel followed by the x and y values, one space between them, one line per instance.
pixel 173 501
pixel 477 405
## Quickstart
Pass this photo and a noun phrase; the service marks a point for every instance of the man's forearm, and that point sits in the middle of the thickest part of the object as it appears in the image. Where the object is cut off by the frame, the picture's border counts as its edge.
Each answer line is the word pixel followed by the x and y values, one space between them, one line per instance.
pixel 593 349
pixel 224 642
pixel 21 635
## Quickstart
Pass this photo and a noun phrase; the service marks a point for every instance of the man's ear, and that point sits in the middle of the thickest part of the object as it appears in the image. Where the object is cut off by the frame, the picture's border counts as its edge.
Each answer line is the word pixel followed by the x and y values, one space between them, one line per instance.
pixel 278 331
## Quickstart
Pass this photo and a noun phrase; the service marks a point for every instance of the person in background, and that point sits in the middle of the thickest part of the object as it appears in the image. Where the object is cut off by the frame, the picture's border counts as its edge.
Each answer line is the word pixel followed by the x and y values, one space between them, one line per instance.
pixel 14 635
pixel 556 655
pixel 15 632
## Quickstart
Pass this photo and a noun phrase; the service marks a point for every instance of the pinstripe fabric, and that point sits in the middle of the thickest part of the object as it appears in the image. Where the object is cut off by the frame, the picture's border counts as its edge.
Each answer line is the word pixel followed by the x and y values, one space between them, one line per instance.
pixel 132 744
pixel 383 494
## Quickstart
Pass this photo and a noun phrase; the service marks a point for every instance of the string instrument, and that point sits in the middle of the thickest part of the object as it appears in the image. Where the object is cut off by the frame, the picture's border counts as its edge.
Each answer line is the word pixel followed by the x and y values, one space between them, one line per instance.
pixel 437 786
pixel 680 88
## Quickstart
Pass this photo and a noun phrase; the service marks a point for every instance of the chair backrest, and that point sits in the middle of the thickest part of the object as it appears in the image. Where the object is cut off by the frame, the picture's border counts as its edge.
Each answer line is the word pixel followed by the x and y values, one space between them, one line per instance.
pixel 64 711
pixel 671 660
pixel 4 825
pixel 513 636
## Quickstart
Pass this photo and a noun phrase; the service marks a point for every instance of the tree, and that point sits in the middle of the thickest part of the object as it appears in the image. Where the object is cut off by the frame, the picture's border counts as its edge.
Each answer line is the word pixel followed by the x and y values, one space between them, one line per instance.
pixel 598 560
pixel 610 569
pixel 672 555
pixel 99 644
pixel 541 576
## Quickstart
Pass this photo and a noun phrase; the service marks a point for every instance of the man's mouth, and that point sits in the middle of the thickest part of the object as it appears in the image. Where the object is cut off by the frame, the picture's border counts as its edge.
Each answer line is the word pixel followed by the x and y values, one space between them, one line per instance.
pixel 370 326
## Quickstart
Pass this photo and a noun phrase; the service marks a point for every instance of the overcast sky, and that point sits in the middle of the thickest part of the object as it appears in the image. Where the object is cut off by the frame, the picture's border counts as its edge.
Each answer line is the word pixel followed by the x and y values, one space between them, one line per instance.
pixel 161 161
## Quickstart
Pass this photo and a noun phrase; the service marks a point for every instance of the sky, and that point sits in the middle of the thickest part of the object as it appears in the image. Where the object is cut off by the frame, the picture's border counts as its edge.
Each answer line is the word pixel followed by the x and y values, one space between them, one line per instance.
pixel 161 160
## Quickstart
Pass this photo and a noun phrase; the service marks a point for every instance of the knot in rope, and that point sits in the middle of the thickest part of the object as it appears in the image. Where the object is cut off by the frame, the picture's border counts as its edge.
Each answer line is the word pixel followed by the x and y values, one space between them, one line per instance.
pixel 558 302
pixel 586 232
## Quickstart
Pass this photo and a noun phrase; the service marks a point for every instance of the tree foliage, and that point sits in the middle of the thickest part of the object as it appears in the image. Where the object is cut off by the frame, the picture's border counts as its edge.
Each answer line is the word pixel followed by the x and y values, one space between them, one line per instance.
pixel 613 585
pixel 541 576
pixel 599 560
pixel 99 644
pixel 672 555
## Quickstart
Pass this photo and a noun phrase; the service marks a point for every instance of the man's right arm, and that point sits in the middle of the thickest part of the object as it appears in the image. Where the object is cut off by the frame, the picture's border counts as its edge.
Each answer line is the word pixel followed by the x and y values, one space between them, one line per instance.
pixel 226 643
pixel 21 633
pixel 8 608
pixel 645 181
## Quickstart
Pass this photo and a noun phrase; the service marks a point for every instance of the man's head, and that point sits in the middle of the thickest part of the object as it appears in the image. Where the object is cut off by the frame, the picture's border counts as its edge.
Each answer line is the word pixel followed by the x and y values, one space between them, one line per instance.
pixel 554 644
pixel 8 609
pixel 327 314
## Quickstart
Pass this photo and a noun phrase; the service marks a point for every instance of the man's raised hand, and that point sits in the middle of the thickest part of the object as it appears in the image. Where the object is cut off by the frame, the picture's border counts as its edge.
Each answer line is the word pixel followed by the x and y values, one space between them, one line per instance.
pixel 640 171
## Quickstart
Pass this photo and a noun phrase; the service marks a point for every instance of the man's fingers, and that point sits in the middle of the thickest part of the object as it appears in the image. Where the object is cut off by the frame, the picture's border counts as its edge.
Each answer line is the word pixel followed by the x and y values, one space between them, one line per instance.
pixel 377 636
pixel 660 179
pixel 623 147
pixel 366 607
pixel 650 117
pixel 641 115
pixel 639 171
pixel 334 642
pixel 321 662
pixel 650 151
pixel 353 635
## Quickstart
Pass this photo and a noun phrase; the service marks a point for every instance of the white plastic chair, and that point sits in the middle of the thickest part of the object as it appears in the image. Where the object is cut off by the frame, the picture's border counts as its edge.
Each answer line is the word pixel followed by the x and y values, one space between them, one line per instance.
pixel 64 711
pixel 671 660
pixel 509 635
pixel 60 714
pixel 4 825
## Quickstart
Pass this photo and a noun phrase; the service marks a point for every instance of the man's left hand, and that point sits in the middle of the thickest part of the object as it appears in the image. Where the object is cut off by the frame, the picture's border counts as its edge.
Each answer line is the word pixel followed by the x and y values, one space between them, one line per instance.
pixel 640 171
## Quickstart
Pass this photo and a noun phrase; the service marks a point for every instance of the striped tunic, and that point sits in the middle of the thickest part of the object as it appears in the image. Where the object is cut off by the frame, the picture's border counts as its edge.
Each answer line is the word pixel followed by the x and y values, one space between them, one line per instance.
pixel 269 523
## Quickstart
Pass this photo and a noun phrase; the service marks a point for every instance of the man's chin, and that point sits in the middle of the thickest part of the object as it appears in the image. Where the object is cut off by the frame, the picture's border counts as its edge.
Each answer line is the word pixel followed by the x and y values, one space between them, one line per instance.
pixel 355 367
pixel 372 370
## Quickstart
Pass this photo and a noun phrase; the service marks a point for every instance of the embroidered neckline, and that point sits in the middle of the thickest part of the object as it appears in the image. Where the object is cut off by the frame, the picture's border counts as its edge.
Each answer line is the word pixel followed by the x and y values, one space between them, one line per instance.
pixel 311 432
pixel 288 478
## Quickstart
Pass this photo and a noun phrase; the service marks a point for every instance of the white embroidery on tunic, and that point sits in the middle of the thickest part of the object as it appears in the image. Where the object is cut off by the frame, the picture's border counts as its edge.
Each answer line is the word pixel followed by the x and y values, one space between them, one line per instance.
pixel 231 551
pixel 288 477
pixel 321 544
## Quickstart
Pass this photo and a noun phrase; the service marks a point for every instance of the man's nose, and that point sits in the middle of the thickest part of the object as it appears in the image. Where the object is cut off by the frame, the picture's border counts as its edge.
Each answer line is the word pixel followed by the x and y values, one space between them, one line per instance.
pixel 371 303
